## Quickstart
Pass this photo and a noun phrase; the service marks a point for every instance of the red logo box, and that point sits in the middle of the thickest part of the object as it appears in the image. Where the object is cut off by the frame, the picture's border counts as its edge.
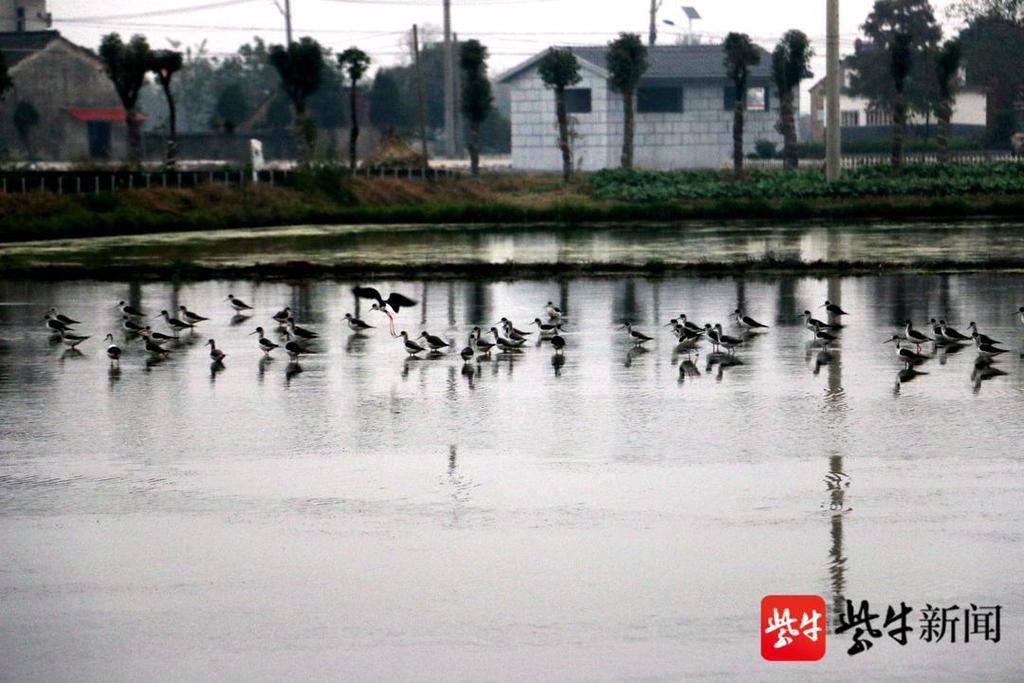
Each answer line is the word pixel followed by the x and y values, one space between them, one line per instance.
pixel 793 628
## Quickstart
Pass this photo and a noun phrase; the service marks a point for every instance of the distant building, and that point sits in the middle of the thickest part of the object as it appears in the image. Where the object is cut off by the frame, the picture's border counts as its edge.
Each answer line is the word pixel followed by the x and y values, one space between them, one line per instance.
pixel 24 15
pixel 78 113
pixel 969 111
pixel 684 111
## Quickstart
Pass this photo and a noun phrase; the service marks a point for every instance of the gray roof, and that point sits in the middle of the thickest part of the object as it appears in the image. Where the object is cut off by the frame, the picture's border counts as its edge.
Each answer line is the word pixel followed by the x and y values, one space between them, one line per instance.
pixel 685 62
pixel 16 46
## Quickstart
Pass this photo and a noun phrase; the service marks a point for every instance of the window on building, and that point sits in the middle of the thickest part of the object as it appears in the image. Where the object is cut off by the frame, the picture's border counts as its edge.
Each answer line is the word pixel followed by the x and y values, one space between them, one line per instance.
pixel 849 119
pixel 659 100
pixel 757 98
pixel 577 100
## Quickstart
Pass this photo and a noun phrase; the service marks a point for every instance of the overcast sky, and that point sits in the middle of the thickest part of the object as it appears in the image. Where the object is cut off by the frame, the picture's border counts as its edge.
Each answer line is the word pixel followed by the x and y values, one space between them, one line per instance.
pixel 512 29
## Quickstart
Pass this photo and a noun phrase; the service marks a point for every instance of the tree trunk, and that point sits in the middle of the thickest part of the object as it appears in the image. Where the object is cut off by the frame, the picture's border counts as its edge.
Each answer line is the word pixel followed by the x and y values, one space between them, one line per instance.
pixel 474 147
pixel 943 114
pixel 172 133
pixel 134 137
pixel 353 135
pixel 737 137
pixel 899 123
pixel 789 155
pixel 628 128
pixel 563 134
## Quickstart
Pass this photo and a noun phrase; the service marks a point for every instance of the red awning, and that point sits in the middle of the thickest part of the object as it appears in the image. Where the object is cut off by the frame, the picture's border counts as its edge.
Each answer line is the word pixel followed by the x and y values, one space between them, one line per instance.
pixel 100 114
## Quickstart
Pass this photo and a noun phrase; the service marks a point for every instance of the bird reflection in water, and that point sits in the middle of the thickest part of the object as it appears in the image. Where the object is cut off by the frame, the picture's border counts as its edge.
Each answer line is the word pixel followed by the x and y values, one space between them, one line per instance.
pixel 688 370
pixel 113 375
pixel 355 343
pixel 822 358
pixel 908 374
pixel 264 363
pixel 984 370
pixel 943 351
pixel 216 367
pixel 470 372
pixel 291 371
pixel 237 319
pixel 634 352
pixel 557 362
pixel 723 361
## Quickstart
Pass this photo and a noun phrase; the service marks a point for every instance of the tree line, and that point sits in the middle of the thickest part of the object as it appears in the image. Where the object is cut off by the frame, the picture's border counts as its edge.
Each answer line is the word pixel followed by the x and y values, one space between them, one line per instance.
pixel 302 86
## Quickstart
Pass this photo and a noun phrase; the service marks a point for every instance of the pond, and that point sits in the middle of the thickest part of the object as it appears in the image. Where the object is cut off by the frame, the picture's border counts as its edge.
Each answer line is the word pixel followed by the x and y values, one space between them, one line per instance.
pixel 598 515
pixel 968 242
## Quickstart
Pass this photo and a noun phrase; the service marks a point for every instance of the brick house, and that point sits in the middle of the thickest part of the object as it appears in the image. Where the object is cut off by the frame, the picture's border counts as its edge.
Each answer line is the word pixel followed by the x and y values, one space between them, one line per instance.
pixel 79 114
pixel 683 111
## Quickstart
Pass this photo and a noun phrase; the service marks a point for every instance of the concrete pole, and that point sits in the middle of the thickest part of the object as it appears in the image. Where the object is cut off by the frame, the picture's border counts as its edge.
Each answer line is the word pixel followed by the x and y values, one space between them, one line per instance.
pixel 652 32
pixel 288 20
pixel 834 79
pixel 420 100
pixel 449 83
pixel 460 143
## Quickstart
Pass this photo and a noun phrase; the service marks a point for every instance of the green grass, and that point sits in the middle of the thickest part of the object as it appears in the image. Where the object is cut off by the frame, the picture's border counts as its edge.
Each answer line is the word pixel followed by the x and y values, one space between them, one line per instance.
pixel 917 192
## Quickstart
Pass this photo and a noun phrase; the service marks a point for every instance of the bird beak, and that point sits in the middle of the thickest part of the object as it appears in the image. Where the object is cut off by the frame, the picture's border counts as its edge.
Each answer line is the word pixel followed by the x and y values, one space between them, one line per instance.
pixel 668 325
pixel 252 333
pixel 621 328
pixel 887 341
pixel 821 306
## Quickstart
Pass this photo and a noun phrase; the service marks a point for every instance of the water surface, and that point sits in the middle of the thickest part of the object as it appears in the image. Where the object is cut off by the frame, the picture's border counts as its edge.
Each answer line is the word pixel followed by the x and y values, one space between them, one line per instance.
pixel 368 517
pixel 687 243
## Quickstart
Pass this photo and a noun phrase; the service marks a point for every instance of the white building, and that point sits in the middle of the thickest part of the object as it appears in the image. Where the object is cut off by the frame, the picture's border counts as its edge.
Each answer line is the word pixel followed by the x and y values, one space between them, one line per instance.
pixel 684 111
pixel 969 109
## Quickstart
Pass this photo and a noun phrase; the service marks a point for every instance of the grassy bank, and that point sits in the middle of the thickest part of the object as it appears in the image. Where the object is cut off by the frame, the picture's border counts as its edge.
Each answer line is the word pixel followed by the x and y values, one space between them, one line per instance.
pixel 925 192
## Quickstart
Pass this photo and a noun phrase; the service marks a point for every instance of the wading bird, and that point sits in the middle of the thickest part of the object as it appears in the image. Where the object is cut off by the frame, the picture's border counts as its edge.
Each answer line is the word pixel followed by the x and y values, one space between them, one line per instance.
pixel 238 304
pixel 266 346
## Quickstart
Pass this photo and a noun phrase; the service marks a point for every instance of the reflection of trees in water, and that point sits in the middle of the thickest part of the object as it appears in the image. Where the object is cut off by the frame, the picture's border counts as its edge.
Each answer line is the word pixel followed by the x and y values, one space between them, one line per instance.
pixel 625 307
pixel 477 302
pixel 787 309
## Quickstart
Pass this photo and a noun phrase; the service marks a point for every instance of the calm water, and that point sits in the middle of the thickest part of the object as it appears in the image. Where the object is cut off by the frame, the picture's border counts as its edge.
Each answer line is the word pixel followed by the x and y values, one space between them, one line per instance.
pixel 973 241
pixel 373 518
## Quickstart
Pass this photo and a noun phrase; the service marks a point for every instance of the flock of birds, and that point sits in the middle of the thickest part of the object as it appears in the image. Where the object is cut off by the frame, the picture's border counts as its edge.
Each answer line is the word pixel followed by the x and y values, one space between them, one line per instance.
pixel 295 340
pixel 504 337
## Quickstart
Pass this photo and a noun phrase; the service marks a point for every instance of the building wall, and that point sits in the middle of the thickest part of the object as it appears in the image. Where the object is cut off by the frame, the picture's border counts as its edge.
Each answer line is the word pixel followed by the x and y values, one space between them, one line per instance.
pixel 699 136
pixel 52 80
pixel 535 129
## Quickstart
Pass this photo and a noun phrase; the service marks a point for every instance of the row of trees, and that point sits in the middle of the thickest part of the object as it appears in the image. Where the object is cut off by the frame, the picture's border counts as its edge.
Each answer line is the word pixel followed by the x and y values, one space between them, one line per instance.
pixel 306 76
pixel 904 67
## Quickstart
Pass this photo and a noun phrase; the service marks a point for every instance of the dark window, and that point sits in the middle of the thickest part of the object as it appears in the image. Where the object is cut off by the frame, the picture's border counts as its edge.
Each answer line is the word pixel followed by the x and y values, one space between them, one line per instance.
pixel 577 100
pixel 659 100
pixel 20 20
pixel 99 139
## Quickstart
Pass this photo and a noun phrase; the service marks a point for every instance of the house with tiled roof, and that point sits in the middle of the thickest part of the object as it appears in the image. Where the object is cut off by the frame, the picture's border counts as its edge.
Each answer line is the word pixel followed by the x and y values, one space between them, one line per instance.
pixel 63 107
pixel 684 109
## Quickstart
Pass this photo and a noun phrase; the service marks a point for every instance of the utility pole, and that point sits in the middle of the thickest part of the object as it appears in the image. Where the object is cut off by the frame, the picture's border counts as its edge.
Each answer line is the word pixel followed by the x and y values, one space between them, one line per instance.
pixel 652 32
pixel 286 11
pixel 460 144
pixel 449 82
pixel 421 105
pixel 288 20
pixel 833 76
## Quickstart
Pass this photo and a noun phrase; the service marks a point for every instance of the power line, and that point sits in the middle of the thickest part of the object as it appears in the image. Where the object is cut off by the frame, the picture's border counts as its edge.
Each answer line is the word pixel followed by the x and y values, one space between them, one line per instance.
pixel 160 12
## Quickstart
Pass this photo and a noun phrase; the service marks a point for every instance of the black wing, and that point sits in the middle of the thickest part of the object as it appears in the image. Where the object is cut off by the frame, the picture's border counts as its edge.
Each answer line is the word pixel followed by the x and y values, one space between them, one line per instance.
pixel 396 301
pixel 367 293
